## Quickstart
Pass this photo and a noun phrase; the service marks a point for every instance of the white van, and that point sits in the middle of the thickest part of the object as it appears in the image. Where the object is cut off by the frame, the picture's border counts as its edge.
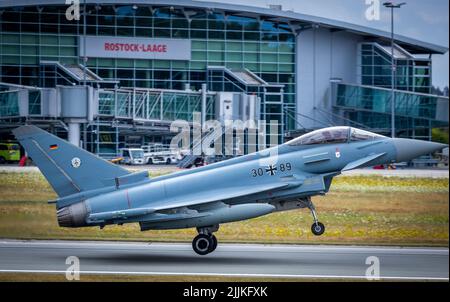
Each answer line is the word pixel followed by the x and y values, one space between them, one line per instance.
pixel 132 156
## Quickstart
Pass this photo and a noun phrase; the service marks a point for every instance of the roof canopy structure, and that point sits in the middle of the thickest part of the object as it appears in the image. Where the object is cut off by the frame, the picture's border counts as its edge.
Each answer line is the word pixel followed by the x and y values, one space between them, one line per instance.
pixel 297 21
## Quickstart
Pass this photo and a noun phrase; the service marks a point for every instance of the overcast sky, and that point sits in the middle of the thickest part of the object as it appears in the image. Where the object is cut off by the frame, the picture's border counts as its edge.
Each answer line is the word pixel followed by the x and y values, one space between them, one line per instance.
pixel 419 19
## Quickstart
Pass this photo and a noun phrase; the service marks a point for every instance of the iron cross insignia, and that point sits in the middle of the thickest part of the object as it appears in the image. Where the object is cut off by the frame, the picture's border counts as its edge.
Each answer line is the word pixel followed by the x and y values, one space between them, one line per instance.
pixel 271 169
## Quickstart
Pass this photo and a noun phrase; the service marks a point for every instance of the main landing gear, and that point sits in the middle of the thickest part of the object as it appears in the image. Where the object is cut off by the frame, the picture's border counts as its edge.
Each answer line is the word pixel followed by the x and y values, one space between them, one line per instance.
pixel 317 228
pixel 205 242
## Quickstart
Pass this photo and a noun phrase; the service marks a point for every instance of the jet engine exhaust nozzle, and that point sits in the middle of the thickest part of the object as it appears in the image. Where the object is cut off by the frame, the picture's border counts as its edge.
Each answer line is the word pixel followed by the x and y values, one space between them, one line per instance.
pixel 72 216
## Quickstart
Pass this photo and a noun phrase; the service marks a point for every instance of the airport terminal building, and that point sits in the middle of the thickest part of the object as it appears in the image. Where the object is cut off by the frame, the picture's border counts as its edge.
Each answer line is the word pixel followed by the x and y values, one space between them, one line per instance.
pixel 119 75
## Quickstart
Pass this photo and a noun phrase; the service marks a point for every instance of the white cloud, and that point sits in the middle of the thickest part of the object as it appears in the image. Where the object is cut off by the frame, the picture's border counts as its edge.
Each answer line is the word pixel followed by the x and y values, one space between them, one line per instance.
pixel 432 18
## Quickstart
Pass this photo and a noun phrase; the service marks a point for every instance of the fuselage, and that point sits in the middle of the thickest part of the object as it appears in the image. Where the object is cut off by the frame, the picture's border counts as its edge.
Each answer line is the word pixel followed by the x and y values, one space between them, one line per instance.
pixel 284 163
pixel 276 179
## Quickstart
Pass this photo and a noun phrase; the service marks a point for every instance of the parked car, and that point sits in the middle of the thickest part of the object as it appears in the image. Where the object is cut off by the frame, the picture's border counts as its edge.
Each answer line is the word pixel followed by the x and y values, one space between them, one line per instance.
pixel 9 152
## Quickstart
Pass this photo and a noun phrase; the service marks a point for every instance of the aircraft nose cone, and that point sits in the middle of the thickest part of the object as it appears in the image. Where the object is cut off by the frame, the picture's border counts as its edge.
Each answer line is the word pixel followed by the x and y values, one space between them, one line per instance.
pixel 408 149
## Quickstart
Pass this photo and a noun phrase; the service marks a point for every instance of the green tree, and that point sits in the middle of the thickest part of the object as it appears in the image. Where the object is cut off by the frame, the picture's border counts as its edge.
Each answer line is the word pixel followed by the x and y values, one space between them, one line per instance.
pixel 439 135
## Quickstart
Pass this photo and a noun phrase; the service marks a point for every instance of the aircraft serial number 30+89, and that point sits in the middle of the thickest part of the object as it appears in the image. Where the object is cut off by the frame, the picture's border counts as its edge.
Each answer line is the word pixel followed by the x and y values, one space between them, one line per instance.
pixel 271 169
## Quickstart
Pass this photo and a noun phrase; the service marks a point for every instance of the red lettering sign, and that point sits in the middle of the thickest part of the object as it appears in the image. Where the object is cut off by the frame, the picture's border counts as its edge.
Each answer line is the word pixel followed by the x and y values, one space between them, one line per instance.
pixel 135 47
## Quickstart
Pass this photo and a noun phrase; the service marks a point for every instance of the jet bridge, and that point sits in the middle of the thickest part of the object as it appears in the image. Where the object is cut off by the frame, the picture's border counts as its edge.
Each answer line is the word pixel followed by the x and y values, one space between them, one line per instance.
pixel 53 73
pixel 271 105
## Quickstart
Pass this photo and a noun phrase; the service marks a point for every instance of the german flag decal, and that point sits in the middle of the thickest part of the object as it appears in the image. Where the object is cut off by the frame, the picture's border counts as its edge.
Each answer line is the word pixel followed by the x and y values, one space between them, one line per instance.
pixel 53 147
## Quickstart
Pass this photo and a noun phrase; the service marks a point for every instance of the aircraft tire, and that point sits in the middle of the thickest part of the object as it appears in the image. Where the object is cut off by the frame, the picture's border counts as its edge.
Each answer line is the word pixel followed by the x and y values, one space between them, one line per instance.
pixel 202 244
pixel 213 243
pixel 317 228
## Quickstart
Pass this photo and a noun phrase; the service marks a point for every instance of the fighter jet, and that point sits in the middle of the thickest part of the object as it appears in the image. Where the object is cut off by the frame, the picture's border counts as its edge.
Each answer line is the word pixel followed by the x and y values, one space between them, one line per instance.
pixel 94 192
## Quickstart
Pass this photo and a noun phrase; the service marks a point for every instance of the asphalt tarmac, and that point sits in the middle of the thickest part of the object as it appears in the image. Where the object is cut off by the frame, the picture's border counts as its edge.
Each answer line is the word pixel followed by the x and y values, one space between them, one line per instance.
pixel 235 260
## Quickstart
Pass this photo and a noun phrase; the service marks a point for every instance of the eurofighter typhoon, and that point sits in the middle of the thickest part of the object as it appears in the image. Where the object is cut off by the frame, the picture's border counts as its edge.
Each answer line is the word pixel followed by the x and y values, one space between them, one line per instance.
pixel 95 192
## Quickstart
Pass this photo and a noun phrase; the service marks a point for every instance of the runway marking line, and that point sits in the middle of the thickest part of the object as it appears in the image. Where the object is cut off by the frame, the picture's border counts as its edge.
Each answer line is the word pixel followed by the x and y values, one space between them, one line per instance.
pixel 287 248
pixel 225 275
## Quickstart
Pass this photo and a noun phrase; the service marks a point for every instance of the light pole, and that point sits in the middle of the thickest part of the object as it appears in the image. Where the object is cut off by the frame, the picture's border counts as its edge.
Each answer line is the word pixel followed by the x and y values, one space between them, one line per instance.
pixel 84 44
pixel 393 5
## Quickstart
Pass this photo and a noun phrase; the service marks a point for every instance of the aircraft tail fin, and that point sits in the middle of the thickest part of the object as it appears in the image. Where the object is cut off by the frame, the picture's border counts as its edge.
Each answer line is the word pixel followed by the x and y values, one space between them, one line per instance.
pixel 67 168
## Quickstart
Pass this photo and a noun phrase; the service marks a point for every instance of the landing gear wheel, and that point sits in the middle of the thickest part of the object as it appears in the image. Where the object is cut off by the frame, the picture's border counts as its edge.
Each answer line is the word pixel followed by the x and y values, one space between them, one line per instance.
pixel 202 244
pixel 213 243
pixel 317 228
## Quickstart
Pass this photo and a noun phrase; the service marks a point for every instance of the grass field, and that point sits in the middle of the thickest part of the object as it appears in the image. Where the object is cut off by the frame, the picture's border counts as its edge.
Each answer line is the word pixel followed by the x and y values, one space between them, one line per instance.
pixel 358 210
pixel 35 277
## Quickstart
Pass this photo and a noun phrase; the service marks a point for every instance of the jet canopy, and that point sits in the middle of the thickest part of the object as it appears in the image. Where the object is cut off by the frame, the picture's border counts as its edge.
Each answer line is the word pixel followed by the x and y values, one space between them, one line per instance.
pixel 334 135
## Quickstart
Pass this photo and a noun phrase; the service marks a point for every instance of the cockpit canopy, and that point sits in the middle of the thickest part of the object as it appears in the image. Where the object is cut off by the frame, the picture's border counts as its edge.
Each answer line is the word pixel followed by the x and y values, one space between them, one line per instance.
pixel 334 135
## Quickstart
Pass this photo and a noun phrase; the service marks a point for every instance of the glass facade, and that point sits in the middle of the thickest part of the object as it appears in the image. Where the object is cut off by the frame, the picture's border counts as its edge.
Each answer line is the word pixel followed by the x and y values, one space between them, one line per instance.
pixel 153 105
pixel 371 107
pixel 412 74
pixel 30 35
pixel 34 102
pixel 9 103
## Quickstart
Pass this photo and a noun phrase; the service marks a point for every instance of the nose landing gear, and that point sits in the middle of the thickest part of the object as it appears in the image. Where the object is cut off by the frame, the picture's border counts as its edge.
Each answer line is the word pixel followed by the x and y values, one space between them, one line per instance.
pixel 317 228
pixel 205 242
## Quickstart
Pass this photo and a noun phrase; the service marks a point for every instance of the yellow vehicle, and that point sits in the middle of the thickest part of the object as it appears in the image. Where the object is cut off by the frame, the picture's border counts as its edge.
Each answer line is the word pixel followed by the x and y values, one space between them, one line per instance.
pixel 9 152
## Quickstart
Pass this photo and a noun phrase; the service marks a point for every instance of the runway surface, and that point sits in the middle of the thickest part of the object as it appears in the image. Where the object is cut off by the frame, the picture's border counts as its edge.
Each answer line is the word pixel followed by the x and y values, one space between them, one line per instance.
pixel 239 260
